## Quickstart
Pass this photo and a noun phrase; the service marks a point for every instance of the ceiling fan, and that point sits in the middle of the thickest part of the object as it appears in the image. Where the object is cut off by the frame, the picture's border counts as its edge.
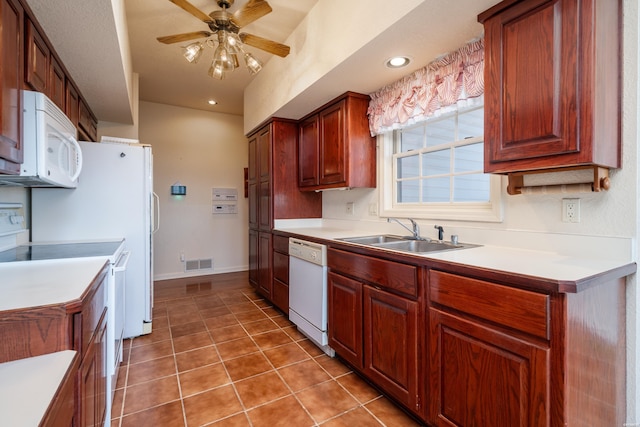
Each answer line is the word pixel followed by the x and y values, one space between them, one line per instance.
pixel 230 40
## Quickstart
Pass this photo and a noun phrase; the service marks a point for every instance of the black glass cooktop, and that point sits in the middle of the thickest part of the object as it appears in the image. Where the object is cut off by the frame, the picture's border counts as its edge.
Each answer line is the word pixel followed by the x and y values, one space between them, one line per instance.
pixel 59 250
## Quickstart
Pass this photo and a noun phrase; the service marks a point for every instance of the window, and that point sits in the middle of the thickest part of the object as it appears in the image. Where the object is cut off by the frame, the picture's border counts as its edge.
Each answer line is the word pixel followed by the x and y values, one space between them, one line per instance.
pixel 434 169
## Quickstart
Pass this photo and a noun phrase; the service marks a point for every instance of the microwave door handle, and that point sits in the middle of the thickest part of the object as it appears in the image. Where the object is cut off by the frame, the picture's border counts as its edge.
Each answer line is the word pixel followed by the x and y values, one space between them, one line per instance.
pixel 78 159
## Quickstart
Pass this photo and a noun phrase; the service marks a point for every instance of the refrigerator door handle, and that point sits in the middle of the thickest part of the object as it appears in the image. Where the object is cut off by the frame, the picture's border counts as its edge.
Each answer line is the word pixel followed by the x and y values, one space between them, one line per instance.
pixel 156 211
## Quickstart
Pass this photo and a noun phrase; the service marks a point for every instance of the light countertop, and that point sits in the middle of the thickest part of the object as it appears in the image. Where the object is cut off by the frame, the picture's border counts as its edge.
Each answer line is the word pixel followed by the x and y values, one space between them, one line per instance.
pixel 27 387
pixel 41 283
pixel 535 263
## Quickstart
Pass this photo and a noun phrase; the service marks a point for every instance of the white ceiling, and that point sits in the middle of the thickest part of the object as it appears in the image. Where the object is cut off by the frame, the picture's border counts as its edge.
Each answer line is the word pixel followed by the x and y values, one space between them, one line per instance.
pixel 86 38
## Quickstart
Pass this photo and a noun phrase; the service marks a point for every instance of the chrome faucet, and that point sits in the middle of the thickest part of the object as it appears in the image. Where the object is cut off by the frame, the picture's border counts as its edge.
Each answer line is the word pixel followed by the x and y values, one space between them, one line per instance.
pixel 414 230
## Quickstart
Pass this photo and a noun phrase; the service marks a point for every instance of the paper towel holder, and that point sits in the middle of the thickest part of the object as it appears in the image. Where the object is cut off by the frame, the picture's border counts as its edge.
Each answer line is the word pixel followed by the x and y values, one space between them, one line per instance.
pixel 595 179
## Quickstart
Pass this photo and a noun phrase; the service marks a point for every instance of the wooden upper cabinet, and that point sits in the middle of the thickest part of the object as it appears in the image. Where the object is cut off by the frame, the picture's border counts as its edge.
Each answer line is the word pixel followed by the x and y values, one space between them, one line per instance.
pixel 11 81
pixel 552 84
pixel 336 148
pixel 308 154
pixel 72 107
pixel 37 60
pixel 87 123
pixel 57 82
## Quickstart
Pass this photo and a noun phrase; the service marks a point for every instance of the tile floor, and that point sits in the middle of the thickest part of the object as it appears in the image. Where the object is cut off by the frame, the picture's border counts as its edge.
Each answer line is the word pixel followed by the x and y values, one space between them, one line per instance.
pixel 220 355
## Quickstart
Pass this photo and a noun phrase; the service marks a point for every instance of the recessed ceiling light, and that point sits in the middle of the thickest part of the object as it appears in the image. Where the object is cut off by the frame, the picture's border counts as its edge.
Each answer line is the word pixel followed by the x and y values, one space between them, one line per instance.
pixel 212 102
pixel 397 61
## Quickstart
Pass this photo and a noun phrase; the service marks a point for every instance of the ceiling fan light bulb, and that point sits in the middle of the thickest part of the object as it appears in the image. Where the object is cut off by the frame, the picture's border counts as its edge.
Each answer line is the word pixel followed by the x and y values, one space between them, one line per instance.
pixel 216 71
pixel 193 52
pixel 253 65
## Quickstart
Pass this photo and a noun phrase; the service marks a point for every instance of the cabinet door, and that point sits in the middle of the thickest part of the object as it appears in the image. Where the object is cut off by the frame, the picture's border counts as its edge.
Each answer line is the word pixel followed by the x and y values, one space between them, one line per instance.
pixel 101 371
pixel 482 377
pixel 544 106
pixel 332 144
pixel 11 78
pixel 73 103
pixel 391 344
pixel 57 81
pixel 264 264
pixel 253 258
pixel 37 61
pixel 308 152
pixel 264 179
pixel 345 318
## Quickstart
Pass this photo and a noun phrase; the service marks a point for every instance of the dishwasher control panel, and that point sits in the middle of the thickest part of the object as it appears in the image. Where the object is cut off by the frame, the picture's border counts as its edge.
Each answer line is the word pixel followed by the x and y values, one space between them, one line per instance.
pixel 308 251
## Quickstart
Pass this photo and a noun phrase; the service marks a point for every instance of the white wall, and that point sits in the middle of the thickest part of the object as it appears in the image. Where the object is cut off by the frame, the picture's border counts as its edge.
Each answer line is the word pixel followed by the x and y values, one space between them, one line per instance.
pixel 201 150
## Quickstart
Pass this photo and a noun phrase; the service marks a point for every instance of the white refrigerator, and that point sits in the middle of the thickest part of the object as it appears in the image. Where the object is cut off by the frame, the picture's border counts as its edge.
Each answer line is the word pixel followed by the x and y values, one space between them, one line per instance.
pixel 114 199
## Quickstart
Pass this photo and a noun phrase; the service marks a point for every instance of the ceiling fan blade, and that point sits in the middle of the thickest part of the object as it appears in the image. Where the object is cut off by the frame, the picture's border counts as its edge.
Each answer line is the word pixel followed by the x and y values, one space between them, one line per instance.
pixel 184 4
pixel 183 37
pixel 265 44
pixel 251 11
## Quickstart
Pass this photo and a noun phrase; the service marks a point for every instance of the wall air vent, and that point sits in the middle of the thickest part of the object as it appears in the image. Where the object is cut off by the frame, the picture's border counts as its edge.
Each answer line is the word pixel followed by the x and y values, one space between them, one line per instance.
pixel 198 264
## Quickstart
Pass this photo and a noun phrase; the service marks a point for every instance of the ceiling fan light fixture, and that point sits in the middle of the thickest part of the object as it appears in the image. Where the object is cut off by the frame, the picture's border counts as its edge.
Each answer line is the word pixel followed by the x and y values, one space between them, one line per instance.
pixel 253 64
pixel 193 52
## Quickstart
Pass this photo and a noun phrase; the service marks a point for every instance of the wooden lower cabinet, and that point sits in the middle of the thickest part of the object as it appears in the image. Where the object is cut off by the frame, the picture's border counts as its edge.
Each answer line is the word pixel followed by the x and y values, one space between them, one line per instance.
pixel 484 377
pixel 265 279
pixel 391 344
pixel 345 318
pixel 92 378
pixel 374 328
pixel 78 325
pixel 61 411
pixel 280 285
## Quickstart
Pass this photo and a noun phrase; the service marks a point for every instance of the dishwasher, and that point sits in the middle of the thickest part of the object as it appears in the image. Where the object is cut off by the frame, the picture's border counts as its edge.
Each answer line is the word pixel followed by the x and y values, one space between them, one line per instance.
pixel 308 291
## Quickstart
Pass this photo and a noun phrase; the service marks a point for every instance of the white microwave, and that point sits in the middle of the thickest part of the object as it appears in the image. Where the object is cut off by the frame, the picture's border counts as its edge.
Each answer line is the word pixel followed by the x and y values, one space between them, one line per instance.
pixel 52 155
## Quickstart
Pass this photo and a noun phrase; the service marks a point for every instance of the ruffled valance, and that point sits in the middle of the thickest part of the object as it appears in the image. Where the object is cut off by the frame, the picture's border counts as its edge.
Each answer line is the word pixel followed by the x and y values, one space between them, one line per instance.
pixel 455 77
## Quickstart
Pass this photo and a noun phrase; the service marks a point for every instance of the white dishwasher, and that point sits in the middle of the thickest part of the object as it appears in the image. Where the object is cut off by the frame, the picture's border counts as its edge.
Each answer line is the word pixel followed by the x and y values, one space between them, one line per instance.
pixel 308 291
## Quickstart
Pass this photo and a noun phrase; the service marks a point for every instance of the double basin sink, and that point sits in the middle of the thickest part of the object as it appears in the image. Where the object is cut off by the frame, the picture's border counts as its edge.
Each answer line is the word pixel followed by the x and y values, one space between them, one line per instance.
pixel 406 244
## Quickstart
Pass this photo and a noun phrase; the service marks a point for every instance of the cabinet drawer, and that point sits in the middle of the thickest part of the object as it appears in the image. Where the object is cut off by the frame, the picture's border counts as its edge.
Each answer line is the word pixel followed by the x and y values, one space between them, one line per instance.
pixel 281 244
pixel 389 274
pixel 514 308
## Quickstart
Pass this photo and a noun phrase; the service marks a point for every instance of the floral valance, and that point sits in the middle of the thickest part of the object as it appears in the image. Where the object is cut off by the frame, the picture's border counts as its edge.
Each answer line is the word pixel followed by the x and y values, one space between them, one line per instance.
pixel 451 79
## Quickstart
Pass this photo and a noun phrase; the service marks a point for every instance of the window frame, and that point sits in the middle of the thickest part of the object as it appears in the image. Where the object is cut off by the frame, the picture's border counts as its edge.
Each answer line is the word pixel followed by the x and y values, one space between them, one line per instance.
pixel 491 211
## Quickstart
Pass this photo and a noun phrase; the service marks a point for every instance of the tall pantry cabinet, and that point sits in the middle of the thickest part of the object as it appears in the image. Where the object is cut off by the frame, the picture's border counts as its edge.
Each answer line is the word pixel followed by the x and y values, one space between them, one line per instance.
pixel 274 194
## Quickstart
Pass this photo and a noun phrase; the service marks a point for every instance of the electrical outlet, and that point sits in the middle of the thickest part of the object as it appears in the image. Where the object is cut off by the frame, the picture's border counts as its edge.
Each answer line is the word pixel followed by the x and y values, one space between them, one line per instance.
pixel 181 256
pixel 571 210
pixel 350 208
